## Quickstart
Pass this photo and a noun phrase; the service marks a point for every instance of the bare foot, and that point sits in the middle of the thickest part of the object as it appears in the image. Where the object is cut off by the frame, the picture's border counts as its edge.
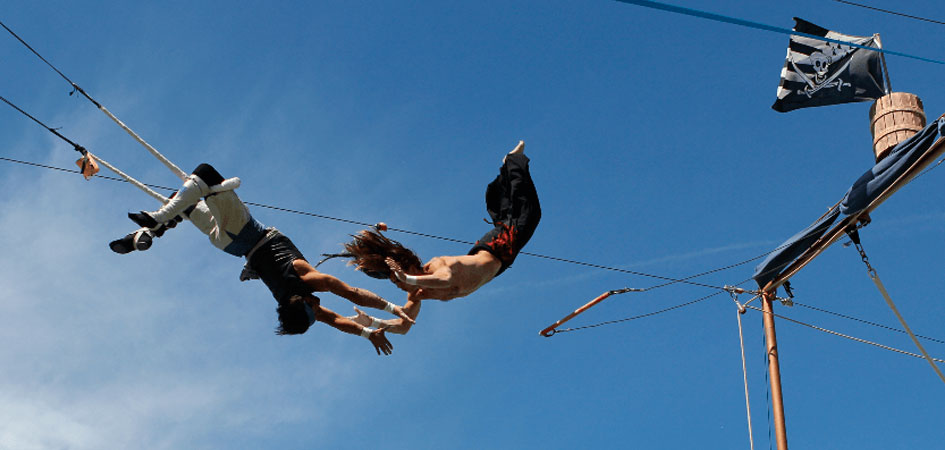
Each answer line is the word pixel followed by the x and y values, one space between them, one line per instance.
pixel 519 149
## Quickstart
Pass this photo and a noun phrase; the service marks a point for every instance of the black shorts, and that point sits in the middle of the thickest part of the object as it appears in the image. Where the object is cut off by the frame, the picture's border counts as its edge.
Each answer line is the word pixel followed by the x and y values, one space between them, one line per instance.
pixel 512 203
pixel 273 262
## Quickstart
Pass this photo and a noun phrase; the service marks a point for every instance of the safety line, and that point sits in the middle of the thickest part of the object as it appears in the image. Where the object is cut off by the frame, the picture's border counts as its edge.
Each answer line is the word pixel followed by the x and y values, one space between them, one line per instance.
pixel 878 325
pixel 630 272
pixel 355 222
pixel 431 236
pixel 61 169
pixel 761 26
pixel 564 330
pixel 862 341
pixel 366 224
pixel 891 12
pixel 641 316
pixel 391 229
pixel 670 280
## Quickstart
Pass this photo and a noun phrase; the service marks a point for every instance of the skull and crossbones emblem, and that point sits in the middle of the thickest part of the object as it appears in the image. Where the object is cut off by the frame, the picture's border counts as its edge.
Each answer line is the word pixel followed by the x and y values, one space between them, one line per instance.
pixel 821 61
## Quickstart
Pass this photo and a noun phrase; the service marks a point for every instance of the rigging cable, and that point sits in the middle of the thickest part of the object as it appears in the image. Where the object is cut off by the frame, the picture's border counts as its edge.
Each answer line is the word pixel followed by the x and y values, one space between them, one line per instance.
pixel 670 281
pixel 862 341
pixel 760 26
pixel 891 12
pixel 854 235
pixel 741 341
pixel 641 316
pixel 86 154
pixel 128 179
pixel 177 171
pixel 565 330
pixel 878 325
pixel 54 131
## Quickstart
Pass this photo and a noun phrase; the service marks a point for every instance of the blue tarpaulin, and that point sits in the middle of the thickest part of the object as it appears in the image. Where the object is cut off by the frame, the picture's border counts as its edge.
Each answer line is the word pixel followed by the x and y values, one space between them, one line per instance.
pixel 867 188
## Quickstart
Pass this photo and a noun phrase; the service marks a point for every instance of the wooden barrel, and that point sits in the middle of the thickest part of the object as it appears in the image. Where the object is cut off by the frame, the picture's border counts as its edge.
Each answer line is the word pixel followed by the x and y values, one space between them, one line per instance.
pixel 894 118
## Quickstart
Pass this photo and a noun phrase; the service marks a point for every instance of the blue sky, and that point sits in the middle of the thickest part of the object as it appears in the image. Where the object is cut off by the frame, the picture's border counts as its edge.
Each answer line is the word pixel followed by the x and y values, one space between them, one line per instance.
pixel 653 147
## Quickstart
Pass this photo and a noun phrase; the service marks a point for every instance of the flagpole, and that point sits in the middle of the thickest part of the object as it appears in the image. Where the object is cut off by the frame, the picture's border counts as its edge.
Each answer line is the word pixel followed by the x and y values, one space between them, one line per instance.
pixel 774 371
pixel 882 55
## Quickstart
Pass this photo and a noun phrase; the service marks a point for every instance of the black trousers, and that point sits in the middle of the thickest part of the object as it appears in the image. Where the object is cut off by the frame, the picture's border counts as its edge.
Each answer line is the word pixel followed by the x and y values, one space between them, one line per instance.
pixel 512 203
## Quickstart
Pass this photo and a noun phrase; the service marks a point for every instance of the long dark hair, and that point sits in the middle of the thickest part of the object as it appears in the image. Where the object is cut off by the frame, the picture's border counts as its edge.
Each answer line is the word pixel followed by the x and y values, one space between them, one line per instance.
pixel 370 248
pixel 292 316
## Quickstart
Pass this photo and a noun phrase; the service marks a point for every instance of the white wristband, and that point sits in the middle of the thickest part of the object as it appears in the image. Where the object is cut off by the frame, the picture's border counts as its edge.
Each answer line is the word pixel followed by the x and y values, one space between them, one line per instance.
pixel 389 307
pixel 366 332
pixel 410 279
pixel 375 322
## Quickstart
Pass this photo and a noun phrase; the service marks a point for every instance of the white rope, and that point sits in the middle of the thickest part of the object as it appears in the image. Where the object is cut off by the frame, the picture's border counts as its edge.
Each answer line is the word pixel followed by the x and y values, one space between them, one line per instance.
pixel 180 173
pixel 741 339
pixel 882 290
pixel 131 180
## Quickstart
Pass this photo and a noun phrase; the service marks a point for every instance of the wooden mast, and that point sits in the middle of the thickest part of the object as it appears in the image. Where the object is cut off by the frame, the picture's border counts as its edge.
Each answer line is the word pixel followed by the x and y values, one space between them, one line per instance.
pixel 774 370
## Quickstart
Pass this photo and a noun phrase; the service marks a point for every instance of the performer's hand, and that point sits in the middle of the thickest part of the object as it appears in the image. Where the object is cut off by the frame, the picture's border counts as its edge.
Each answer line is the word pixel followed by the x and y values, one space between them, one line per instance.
pixel 395 269
pixel 381 344
pixel 399 312
pixel 361 318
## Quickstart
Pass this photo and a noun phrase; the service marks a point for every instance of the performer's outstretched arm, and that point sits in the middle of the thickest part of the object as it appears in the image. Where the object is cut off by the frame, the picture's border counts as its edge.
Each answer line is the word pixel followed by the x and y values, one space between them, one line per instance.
pixel 440 279
pixel 322 282
pixel 396 326
pixel 333 319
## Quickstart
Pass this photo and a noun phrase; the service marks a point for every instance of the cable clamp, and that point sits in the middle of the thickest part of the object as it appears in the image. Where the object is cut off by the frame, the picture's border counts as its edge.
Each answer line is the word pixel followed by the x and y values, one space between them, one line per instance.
pixel 734 291
pixel 625 290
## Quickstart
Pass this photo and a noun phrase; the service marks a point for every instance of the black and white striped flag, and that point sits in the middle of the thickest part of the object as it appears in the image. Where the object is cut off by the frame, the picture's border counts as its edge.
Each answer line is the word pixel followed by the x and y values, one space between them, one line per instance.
pixel 819 73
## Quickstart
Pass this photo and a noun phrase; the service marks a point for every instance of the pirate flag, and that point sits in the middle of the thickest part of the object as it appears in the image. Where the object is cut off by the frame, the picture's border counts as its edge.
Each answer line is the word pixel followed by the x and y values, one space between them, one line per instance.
pixel 819 73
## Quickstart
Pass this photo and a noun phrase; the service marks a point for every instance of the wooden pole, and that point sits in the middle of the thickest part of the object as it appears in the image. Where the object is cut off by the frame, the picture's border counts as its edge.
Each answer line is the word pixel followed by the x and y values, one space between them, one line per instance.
pixel 550 330
pixel 882 55
pixel 774 371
